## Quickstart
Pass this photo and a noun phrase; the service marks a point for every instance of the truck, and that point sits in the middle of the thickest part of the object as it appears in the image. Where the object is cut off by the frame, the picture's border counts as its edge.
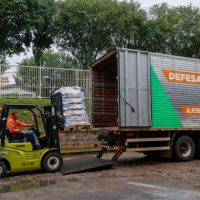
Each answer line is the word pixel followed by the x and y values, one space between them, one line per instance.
pixel 146 102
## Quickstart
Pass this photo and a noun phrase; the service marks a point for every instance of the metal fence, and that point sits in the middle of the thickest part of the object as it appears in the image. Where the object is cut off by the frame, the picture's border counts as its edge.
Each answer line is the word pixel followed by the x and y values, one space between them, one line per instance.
pixel 39 82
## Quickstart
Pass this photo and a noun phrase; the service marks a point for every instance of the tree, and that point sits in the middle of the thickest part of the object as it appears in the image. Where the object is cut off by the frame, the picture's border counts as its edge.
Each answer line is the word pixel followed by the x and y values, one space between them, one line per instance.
pixel 187 32
pixel 127 25
pixel 13 34
pixel 84 28
pixel 90 27
pixel 52 59
pixel 24 23
pixel 172 30
pixel 42 25
pixel 158 28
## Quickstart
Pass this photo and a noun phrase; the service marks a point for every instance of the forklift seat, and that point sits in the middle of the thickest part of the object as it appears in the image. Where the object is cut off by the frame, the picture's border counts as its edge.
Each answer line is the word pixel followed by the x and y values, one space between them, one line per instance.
pixel 11 139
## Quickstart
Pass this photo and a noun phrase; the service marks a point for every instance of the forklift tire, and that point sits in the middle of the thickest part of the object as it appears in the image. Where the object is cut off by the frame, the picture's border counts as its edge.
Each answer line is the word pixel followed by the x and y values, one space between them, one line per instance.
pixel 52 162
pixel 184 148
pixel 3 169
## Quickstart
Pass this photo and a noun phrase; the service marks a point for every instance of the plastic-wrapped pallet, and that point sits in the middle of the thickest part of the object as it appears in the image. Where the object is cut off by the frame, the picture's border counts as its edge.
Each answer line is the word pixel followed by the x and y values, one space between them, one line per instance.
pixel 73 106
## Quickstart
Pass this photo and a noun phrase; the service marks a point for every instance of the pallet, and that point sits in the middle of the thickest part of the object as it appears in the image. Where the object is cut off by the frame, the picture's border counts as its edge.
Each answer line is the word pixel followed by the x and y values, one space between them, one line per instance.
pixel 78 128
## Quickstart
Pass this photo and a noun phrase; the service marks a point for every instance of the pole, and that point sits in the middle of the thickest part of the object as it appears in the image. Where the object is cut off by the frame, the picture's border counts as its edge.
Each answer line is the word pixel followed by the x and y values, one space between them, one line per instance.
pixel 40 80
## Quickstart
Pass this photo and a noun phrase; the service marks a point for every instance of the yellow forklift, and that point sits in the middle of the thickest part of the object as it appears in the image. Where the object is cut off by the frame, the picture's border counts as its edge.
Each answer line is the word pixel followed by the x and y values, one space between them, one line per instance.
pixel 19 155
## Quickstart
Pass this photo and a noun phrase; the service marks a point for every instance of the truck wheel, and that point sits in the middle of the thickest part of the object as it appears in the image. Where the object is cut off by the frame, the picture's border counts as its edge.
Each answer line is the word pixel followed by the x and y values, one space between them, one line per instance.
pixel 52 162
pixel 3 169
pixel 197 145
pixel 184 148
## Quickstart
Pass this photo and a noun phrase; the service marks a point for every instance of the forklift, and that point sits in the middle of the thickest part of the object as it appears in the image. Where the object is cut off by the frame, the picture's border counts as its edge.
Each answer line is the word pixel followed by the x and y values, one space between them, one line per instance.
pixel 19 155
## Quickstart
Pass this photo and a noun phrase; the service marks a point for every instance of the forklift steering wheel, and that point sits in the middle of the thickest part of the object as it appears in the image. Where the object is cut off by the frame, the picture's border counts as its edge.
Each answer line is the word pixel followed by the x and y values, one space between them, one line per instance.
pixel 31 128
pixel 35 130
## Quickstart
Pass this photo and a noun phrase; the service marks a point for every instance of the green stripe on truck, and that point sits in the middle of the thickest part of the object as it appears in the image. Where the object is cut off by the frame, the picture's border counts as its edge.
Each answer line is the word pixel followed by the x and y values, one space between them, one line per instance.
pixel 163 113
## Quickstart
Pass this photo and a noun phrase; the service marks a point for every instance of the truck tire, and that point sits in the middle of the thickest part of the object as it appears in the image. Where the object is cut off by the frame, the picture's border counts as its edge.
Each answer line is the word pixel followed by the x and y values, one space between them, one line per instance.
pixel 197 145
pixel 52 162
pixel 3 169
pixel 184 148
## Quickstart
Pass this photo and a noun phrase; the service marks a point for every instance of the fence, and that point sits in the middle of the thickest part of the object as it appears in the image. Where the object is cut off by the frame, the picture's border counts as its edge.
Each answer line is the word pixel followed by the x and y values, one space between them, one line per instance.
pixel 39 82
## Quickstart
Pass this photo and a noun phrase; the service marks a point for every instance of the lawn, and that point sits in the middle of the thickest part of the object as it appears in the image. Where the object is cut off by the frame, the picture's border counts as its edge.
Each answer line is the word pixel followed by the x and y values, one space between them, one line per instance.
pixel 36 102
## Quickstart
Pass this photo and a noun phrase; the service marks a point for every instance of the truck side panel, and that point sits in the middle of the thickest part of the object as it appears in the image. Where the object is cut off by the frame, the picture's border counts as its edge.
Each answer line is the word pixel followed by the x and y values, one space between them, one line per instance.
pixel 175 92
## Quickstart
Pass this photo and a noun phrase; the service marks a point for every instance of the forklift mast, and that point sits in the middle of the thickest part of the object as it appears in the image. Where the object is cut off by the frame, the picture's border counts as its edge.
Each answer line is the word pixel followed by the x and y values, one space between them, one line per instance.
pixel 52 125
pixel 3 121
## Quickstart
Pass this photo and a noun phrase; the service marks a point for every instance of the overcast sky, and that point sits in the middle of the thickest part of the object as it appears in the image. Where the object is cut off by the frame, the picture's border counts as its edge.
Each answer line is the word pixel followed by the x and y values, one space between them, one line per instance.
pixel 149 3
pixel 144 4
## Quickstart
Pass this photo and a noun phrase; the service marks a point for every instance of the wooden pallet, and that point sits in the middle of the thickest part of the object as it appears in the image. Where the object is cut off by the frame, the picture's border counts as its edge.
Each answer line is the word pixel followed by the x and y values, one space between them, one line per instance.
pixel 78 128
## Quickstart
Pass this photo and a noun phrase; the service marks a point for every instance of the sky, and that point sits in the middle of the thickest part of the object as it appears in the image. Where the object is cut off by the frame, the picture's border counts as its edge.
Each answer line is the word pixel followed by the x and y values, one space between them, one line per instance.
pixel 144 4
pixel 149 3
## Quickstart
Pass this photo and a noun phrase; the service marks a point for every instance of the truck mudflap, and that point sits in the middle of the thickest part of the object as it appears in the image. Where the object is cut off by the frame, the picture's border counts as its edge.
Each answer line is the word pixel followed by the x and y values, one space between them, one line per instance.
pixel 84 164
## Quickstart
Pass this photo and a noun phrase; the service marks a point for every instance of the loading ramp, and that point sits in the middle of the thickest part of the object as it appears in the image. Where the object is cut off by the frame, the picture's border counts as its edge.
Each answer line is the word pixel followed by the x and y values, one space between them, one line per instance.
pixel 84 164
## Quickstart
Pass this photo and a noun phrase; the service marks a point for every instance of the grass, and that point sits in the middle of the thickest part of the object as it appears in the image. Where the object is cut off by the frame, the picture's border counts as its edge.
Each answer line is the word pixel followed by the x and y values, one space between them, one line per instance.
pixel 36 102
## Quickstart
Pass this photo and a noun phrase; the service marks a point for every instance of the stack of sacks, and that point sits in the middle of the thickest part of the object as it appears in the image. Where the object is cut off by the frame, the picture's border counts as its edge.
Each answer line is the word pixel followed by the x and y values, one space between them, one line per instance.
pixel 73 104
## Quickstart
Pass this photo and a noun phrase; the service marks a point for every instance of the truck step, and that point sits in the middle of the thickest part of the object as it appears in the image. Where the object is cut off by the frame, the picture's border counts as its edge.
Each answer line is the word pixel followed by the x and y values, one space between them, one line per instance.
pixel 140 149
pixel 149 139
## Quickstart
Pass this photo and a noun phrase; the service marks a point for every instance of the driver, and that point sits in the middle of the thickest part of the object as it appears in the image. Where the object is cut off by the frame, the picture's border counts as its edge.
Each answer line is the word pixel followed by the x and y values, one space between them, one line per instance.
pixel 14 126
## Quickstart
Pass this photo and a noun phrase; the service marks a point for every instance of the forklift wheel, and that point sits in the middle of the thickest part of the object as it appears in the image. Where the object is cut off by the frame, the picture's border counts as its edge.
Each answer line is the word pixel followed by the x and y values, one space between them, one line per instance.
pixel 3 169
pixel 52 162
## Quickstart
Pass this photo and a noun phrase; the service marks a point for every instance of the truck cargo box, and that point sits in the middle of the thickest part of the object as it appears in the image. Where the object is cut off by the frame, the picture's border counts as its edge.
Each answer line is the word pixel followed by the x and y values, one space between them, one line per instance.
pixel 136 89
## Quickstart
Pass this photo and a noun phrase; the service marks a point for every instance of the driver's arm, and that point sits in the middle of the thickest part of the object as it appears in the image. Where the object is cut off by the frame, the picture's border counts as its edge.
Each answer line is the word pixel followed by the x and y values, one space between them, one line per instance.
pixel 21 124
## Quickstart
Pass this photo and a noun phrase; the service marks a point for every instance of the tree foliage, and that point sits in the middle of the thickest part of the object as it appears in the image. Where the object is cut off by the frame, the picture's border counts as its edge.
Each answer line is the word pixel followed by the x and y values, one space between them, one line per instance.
pixel 173 30
pixel 85 29
pixel 88 28
pixel 52 59
pixel 24 23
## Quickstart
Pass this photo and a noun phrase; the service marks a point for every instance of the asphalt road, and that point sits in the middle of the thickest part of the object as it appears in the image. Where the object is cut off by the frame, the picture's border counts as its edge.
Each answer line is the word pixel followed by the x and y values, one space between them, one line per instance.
pixel 131 178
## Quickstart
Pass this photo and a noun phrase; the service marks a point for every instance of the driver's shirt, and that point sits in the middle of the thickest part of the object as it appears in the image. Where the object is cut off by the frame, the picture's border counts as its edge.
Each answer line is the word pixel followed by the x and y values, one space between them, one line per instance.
pixel 14 126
